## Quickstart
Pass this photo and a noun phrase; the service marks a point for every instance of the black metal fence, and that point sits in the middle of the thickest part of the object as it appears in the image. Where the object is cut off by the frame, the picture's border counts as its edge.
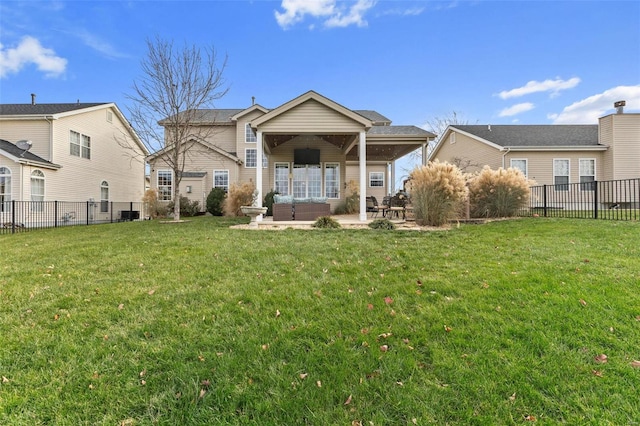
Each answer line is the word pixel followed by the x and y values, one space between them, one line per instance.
pixel 19 216
pixel 612 199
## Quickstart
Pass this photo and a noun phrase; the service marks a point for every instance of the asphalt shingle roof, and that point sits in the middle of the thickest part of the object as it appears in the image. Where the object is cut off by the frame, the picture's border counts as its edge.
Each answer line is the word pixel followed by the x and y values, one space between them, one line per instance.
pixel 374 116
pixel 398 130
pixel 535 135
pixel 43 109
pixel 13 149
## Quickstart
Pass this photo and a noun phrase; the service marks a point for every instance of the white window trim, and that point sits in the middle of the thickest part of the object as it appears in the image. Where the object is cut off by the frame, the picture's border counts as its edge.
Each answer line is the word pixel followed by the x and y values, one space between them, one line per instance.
pixel 324 179
pixel 104 185
pixel 568 176
pixel 289 175
pixel 595 172
pixel 34 203
pixel 173 181
pixel 6 206
pixel 380 186
pixel 526 162
pixel 245 158
pixel 228 179
pixel 452 137
pixel 248 125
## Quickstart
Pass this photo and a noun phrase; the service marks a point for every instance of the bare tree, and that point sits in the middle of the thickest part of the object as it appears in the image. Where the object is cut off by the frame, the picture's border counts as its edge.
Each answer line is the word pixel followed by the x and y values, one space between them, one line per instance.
pixel 176 84
pixel 437 125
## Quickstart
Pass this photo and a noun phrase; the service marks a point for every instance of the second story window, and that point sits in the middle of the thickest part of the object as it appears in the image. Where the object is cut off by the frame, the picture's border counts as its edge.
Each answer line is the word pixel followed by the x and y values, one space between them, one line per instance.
pixel 79 145
pixel 249 134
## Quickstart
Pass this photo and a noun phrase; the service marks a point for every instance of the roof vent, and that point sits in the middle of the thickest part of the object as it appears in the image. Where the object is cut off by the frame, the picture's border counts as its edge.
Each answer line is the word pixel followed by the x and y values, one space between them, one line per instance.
pixel 619 106
pixel 33 99
pixel 489 127
pixel 253 100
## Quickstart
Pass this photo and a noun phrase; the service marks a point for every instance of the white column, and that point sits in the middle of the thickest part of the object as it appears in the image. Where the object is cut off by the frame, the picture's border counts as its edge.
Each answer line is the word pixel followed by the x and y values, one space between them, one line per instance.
pixel 259 155
pixel 362 152
pixel 392 184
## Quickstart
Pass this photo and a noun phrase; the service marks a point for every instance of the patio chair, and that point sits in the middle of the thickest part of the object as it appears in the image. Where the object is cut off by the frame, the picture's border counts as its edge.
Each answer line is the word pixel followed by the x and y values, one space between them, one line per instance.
pixel 377 208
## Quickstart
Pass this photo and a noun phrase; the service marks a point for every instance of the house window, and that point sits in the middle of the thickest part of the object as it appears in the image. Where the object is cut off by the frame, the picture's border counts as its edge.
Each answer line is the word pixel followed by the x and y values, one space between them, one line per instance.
pixel 221 179
pixel 561 174
pixel 165 185
pixel 251 158
pixel 104 197
pixel 332 180
pixel 281 184
pixel 249 134
pixel 307 180
pixel 520 164
pixel 376 179
pixel 452 137
pixel 587 174
pixel 5 189
pixel 79 145
pixel 37 191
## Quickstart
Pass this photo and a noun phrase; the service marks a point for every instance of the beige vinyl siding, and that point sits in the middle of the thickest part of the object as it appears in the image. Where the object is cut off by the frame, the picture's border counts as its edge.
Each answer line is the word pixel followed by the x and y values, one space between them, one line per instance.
pixel 353 174
pixel 79 179
pixel 37 131
pixel 200 159
pixel 239 129
pixel 605 137
pixel 622 133
pixel 540 164
pixel 311 116
pixel 469 149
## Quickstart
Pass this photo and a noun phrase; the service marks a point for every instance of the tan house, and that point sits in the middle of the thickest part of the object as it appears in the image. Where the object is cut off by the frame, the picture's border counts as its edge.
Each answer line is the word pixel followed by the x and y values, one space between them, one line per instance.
pixel 309 147
pixel 549 154
pixel 69 152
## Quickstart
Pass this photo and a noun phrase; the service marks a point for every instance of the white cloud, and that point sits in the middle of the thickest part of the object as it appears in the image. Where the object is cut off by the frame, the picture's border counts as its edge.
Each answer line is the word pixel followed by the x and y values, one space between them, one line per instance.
pixel 30 51
pixel 404 12
pixel 98 44
pixel 588 110
pixel 553 86
pixel 333 14
pixel 516 109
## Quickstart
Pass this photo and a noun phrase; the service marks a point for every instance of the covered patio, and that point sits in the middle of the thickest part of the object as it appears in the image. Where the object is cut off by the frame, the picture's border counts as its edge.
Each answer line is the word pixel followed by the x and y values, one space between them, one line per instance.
pixel 344 139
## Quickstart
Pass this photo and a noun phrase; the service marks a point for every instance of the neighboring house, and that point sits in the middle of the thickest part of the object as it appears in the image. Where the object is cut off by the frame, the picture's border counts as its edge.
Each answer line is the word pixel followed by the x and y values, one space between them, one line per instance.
pixel 69 152
pixel 549 154
pixel 308 147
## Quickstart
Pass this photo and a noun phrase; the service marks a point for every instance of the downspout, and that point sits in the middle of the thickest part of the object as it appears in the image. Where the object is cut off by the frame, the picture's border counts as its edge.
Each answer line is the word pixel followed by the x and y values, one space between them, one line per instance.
pixel 504 155
pixel 50 138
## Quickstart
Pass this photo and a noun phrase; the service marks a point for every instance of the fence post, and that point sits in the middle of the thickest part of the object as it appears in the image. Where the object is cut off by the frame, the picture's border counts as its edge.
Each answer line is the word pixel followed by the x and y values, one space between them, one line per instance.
pixel 55 214
pixel 87 203
pixel 131 211
pixel 544 200
pixel 13 216
pixel 595 199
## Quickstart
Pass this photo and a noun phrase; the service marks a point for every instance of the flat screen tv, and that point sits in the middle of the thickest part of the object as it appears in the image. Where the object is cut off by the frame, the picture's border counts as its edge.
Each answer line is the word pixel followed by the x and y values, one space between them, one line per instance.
pixel 306 156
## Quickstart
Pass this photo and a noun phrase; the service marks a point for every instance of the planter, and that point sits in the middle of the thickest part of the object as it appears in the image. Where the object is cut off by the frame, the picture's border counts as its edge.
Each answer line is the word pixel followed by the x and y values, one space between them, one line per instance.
pixel 253 212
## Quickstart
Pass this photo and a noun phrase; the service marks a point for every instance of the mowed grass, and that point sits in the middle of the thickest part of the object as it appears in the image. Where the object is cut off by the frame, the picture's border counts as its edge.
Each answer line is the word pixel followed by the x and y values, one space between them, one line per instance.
pixel 195 323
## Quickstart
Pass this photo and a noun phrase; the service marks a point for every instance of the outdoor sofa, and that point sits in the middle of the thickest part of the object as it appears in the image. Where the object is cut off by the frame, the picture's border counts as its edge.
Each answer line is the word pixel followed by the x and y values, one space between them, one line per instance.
pixel 285 208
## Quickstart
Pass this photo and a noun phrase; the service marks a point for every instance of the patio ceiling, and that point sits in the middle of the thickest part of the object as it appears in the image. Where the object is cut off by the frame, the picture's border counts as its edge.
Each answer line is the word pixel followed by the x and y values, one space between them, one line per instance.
pixel 379 147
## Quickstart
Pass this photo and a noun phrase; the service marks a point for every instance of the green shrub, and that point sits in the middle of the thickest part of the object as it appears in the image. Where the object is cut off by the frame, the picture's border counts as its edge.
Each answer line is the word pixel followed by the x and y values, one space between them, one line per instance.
pixel 268 201
pixel 437 191
pixel 215 200
pixel 187 207
pixel 326 222
pixel 498 193
pixel 382 224
pixel 239 195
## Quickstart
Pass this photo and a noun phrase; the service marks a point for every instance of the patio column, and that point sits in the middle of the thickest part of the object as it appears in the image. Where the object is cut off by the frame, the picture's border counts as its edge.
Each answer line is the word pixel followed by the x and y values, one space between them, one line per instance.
pixel 362 152
pixel 392 182
pixel 259 155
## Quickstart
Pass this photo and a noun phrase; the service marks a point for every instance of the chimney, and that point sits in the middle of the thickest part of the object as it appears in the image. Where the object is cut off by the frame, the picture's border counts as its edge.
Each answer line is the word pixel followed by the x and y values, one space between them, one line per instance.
pixel 33 99
pixel 619 106
pixel 253 100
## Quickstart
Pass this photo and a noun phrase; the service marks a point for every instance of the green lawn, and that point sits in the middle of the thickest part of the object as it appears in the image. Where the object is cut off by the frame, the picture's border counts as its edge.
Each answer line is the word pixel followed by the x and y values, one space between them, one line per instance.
pixel 147 323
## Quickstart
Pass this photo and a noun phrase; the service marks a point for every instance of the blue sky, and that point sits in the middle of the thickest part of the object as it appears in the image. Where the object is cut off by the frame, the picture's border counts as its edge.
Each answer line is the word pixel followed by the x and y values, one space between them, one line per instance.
pixel 497 62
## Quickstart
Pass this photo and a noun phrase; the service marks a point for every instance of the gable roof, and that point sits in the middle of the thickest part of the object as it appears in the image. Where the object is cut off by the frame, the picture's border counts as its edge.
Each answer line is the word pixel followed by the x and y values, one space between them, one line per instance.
pixel 399 130
pixel 44 109
pixel 535 136
pixel 311 95
pixel 208 116
pixel 230 155
pixel 18 155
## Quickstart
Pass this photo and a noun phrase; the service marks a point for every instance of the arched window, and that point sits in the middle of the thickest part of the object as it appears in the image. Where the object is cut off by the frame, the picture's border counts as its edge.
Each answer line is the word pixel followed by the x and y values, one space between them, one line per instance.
pixel 37 191
pixel 104 196
pixel 5 189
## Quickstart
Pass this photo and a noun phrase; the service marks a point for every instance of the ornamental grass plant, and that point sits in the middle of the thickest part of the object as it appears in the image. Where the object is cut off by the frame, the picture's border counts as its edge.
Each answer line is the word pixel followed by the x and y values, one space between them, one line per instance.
pixel 240 194
pixel 498 193
pixel 437 192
